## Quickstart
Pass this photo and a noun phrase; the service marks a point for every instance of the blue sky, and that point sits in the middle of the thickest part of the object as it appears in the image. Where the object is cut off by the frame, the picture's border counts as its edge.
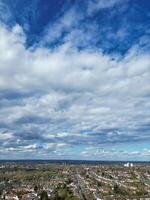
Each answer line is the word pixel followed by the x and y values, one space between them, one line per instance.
pixel 75 79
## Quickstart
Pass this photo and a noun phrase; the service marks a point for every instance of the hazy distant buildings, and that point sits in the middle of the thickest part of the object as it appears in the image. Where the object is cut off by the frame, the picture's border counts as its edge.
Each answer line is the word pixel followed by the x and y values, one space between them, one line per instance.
pixel 128 164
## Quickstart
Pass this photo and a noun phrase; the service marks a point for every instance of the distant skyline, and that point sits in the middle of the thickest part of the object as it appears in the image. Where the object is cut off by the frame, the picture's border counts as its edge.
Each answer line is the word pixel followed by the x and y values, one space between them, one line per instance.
pixel 75 79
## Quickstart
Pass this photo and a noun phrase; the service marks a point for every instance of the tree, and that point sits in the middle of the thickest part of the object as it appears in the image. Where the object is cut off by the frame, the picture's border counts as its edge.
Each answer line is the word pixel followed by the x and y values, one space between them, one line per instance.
pixel 116 189
pixel 44 196
pixel 35 188
pixel 99 184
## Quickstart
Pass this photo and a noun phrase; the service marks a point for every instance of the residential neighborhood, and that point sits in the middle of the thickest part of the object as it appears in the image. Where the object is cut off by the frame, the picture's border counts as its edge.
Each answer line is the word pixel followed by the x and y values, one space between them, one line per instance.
pixel 33 181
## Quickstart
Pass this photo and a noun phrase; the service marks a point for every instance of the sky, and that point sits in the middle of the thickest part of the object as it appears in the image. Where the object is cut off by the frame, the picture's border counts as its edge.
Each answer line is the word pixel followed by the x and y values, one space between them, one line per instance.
pixel 75 79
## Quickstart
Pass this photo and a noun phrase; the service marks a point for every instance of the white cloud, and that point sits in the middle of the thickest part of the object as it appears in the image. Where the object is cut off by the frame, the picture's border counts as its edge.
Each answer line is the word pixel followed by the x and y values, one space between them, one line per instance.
pixel 96 5
pixel 54 145
pixel 5 136
pixel 70 91
pixel 64 23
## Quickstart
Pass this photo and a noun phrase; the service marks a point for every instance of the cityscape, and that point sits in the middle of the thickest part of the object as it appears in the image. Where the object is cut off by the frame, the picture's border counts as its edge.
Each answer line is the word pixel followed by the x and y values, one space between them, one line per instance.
pixel 74 99
pixel 64 180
